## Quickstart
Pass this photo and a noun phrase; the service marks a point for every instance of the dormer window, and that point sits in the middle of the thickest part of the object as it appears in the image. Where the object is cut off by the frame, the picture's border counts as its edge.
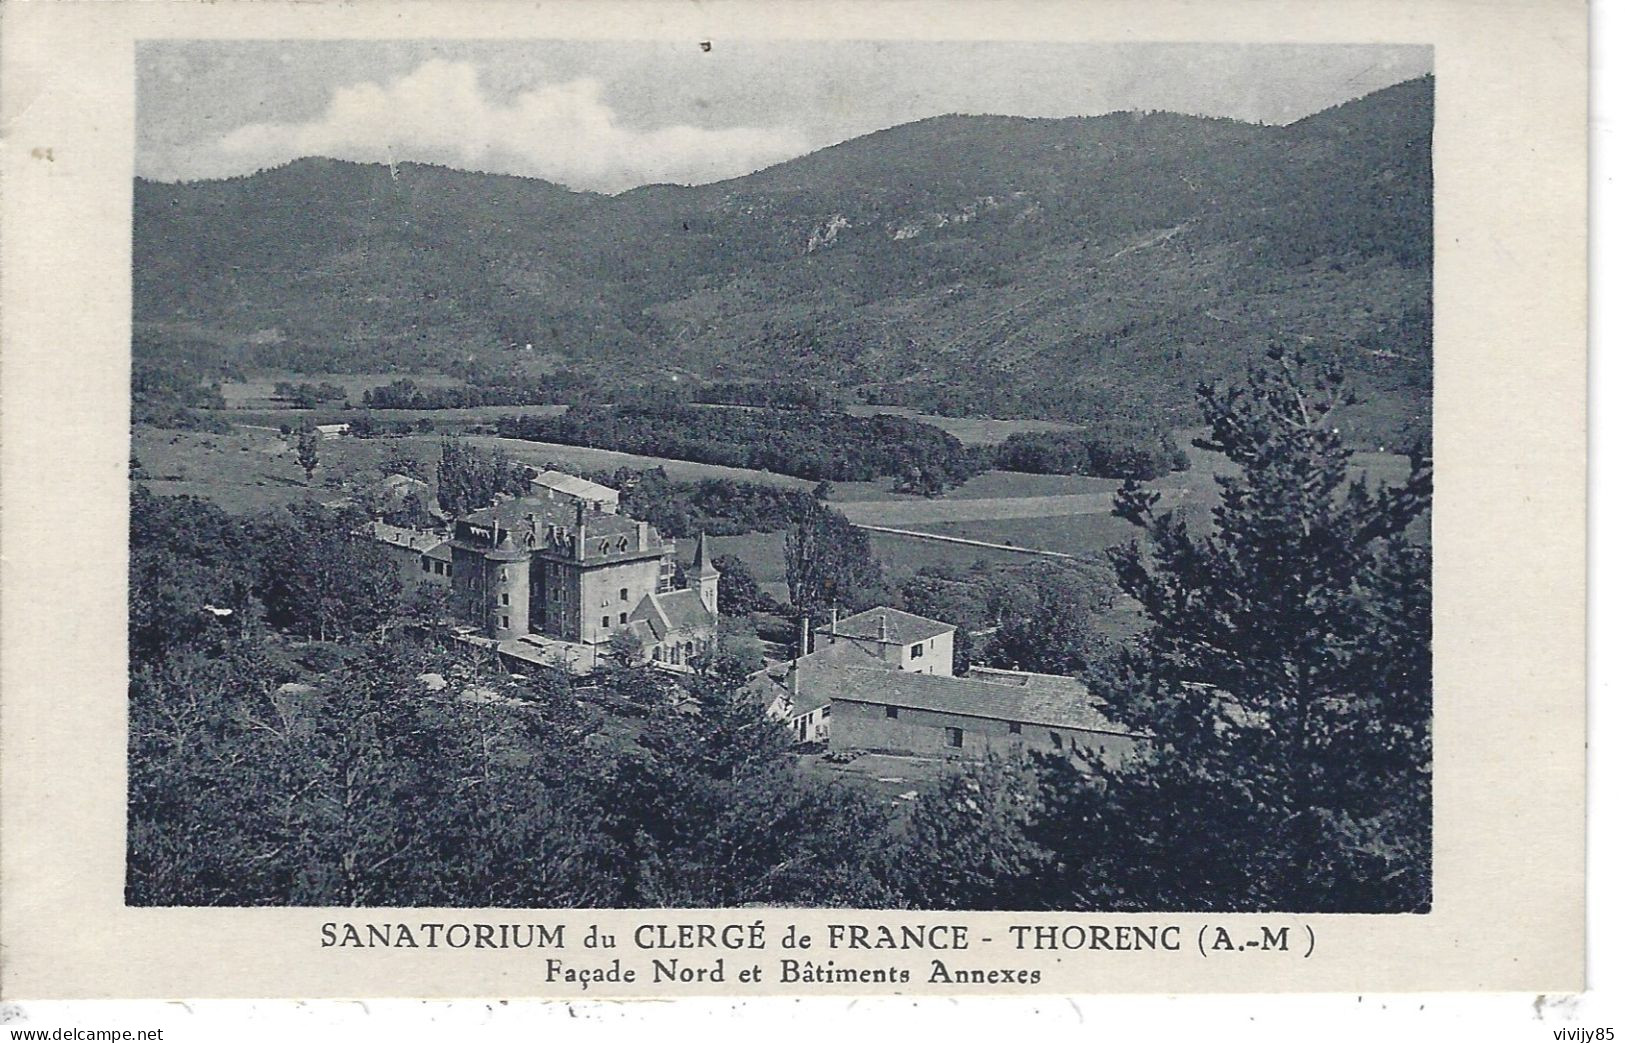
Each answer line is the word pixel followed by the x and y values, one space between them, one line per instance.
pixel 603 547
pixel 620 544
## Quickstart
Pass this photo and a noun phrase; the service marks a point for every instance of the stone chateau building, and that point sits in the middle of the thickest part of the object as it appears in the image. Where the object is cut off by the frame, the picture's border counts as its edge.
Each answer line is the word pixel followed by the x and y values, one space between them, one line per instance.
pixel 554 577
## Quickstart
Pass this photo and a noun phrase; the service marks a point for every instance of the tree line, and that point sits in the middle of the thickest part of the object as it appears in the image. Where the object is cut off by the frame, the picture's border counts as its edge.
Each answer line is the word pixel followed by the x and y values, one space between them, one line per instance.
pixel 818 446
pixel 836 447
pixel 1111 450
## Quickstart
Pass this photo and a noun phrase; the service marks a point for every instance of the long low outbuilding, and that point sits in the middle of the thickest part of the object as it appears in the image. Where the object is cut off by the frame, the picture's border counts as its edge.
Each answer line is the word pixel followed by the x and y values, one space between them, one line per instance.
pixel 985 711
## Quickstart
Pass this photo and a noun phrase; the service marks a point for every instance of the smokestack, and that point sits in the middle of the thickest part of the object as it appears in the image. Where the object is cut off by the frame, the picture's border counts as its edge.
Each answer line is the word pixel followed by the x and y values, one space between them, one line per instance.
pixel 882 626
pixel 806 641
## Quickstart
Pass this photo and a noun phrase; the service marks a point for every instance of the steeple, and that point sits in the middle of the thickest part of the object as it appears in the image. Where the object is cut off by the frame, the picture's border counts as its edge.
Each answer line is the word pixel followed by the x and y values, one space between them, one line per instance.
pixel 702 559
pixel 703 575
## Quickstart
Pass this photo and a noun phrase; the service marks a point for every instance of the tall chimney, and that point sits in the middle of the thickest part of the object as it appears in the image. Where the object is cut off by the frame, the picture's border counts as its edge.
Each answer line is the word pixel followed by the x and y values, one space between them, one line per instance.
pixel 882 626
pixel 806 626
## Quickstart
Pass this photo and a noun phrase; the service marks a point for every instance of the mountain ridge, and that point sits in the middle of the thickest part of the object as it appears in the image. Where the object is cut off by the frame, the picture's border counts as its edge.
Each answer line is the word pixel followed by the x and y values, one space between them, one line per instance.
pixel 1087 263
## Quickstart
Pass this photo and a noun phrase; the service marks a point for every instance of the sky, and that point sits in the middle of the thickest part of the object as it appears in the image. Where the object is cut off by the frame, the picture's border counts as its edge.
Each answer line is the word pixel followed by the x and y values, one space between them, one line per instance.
pixel 609 116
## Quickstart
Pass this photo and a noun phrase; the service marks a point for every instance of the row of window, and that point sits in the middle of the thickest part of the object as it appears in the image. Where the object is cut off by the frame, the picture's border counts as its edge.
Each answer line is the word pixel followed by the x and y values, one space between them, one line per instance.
pixel 440 568
pixel 677 655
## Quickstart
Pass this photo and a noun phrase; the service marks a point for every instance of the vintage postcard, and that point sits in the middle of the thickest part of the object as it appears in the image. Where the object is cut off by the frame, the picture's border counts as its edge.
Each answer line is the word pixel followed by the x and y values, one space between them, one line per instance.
pixel 645 500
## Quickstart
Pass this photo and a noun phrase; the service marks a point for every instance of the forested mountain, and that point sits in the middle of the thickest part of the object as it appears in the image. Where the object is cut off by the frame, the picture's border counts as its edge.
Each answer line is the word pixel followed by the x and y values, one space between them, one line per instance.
pixel 960 263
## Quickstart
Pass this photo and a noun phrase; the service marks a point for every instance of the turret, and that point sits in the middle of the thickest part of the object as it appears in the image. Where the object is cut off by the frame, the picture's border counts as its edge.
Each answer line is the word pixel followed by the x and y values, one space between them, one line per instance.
pixel 703 576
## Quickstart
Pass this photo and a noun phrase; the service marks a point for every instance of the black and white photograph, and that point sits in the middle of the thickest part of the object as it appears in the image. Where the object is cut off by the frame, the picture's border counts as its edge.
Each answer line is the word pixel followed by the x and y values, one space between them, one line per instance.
pixel 886 475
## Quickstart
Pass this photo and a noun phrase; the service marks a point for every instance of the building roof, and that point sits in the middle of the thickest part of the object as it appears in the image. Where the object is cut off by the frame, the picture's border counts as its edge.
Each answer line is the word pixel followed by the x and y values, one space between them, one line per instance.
pixel 772 687
pixel 674 611
pixel 703 568
pixel 413 539
pixel 1038 699
pixel 570 485
pixel 844 653
pixel 892 626
pixel 529 523
pixel 518 513
pixel 398 482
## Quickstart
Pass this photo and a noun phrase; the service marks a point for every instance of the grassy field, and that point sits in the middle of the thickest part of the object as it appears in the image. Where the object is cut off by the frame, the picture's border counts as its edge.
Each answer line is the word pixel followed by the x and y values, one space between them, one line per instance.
pixel 257 389
pixel 763 554
pixel 575 456
pixel 443 419
pixel 908 515
pixel 244 472
pixel 970 430
pixel 988 484
pixel 253 469
pixel 1066 533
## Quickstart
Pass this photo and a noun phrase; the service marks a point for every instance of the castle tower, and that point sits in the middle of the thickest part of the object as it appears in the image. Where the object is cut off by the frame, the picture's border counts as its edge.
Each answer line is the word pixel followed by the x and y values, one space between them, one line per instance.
pixel 703 576
pixel 506 594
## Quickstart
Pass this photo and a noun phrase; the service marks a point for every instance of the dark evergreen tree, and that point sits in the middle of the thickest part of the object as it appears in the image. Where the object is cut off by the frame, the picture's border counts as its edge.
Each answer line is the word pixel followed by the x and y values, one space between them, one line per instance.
pixel 1283 681
pixel 306 446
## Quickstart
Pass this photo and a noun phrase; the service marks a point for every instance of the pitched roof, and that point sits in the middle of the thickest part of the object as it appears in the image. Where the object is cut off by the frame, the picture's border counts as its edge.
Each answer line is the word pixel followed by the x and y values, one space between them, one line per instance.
pixel 1041 699
pixel 772 686
pixel 403 481
pixel 900 628
pixel 844 653
pixel 684 610
pixel 570 485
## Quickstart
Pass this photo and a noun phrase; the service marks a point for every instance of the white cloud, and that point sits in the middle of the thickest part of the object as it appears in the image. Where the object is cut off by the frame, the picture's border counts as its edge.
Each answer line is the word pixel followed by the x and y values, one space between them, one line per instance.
pixel 565 132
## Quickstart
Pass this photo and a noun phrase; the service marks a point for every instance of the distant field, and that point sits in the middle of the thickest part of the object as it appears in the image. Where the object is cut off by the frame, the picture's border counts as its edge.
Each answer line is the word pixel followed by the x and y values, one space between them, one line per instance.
pixel 237 392
pixel 528 452
pixel 926 512
pixel 442 418
pixel 903 555
pixel 983 486
pixel 1065 533
pixel 244 473
pixel 253 469
pixel 762 553
pixel 970 430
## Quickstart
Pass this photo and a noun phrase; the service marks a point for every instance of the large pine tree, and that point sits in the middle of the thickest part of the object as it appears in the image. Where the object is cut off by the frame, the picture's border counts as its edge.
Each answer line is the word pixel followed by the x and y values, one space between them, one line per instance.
pixel 1283 680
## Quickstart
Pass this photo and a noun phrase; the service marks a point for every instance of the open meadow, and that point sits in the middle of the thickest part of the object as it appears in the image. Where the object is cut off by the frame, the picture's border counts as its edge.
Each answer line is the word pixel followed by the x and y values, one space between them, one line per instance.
pixel 253 392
